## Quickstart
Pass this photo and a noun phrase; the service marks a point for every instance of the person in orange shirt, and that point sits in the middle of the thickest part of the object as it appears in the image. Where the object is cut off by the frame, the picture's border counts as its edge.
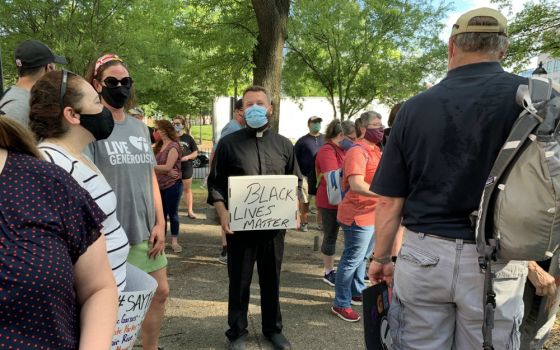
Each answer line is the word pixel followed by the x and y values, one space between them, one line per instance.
pixel 356 215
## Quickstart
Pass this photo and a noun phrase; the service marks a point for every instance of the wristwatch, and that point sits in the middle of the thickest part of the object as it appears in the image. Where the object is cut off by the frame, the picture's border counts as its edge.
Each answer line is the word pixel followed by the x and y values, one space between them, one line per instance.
pixel 382 261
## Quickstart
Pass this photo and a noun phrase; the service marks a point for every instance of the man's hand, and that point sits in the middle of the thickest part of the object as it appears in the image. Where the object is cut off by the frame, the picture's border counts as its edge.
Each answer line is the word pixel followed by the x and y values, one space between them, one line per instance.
pixel 223 214
pixel 544 283
pixel 156 241
pixel 224 222
pixel 378 273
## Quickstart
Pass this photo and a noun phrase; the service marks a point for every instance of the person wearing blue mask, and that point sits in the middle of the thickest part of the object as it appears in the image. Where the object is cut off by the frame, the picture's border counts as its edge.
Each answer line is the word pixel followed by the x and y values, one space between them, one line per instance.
pixel 306 148
pixel 254 150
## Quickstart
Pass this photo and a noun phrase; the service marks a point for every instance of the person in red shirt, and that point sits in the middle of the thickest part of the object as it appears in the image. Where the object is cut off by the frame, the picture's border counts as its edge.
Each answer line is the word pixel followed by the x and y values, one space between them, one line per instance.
pixel 356 215
pixel 329 157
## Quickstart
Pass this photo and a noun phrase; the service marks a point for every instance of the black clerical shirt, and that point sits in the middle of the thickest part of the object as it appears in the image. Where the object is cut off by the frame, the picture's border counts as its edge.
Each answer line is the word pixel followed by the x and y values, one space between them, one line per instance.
pixel 248 152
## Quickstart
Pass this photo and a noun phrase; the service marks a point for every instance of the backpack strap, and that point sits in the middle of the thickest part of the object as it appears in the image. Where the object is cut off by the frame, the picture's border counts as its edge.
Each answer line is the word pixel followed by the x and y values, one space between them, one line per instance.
pixel 320 174
pixel 487 246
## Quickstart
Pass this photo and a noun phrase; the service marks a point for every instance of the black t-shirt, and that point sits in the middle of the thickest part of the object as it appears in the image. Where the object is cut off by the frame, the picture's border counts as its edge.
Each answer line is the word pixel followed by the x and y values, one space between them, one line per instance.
pixel 443 145
pixel 188 144
pixel 306 148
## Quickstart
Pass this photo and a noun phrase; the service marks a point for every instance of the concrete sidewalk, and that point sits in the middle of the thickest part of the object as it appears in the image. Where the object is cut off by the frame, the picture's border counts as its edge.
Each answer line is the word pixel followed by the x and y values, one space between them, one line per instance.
pixel 197 310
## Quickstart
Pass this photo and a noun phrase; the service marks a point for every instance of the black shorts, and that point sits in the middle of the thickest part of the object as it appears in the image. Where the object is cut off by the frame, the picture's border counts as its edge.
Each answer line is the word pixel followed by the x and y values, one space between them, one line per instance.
pixel 187 170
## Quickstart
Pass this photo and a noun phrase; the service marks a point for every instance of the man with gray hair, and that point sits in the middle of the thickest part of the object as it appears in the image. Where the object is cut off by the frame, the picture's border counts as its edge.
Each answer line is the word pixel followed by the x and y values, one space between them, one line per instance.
pixel 432 174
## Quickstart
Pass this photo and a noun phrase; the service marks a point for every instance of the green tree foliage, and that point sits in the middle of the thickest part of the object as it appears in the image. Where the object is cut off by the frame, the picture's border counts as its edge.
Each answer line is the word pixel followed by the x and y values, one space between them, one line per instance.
pixel 532 31
pixel 357 51
pixel 145 33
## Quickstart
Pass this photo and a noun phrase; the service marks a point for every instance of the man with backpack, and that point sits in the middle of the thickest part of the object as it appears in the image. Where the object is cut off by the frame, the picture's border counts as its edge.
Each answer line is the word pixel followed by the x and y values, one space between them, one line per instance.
pixel 33 60
pixel 432 175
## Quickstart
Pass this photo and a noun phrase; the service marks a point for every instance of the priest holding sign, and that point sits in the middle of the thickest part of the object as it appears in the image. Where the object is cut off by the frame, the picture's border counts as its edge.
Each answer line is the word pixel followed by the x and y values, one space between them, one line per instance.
pixel 255 150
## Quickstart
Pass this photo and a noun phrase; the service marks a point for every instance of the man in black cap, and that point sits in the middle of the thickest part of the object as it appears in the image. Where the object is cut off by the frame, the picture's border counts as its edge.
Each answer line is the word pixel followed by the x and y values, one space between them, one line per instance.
pixel 33 60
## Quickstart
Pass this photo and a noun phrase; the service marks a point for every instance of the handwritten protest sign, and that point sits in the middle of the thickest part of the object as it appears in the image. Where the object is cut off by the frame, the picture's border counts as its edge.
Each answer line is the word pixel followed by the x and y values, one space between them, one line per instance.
pixel 263 202
pixel 133 305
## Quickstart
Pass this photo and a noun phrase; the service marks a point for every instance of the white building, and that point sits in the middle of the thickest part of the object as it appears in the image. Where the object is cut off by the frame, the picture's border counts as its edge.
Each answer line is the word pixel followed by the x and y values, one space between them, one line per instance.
pixel 552 66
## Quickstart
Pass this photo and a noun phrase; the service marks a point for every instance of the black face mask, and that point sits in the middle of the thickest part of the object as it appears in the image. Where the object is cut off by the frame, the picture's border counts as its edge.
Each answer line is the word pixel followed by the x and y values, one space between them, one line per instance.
pixel 100 125
pixel 116 97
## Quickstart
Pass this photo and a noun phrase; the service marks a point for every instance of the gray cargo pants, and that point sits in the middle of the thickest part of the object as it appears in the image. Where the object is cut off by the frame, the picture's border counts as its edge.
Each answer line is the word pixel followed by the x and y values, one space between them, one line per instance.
pixel 438 296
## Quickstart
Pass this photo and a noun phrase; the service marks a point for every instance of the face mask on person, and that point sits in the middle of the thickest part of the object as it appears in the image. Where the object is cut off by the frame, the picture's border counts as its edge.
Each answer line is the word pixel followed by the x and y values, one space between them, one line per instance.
pixel 178 128
pixel 117 96
pixel 374 135
pixel 100 125
pixel 345 144
pixel 157 136
pixel 255 116
pixel 315 127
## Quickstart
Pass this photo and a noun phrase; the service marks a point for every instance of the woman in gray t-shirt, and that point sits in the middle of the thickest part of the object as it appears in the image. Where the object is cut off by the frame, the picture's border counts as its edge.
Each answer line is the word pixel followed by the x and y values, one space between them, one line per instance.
pixel 127 161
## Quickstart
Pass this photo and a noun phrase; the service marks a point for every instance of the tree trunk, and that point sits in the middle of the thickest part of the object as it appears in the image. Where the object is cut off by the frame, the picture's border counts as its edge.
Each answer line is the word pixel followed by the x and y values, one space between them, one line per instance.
pixel 272 20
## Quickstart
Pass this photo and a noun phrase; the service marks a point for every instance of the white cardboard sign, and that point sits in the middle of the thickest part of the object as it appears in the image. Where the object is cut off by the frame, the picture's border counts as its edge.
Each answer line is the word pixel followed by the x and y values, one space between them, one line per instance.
pixel 262 202
pixel 133 305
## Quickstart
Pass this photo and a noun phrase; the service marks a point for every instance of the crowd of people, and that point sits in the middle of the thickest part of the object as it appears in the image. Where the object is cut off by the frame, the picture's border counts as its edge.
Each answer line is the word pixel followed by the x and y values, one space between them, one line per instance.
pixel 84 182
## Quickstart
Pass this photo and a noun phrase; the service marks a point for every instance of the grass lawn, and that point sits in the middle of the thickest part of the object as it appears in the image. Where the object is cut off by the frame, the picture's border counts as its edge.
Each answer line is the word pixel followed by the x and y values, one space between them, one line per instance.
pixel 205 130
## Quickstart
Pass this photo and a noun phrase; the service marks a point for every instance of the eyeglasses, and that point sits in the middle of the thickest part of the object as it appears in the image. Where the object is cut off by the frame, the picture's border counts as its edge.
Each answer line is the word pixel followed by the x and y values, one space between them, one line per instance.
pixel 177 124
pixel 112 82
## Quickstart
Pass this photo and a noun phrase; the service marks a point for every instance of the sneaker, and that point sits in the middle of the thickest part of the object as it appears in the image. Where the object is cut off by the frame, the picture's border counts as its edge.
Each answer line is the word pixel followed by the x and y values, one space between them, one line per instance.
pixel 330 278
pixel 357 300
pixel 176 248
pixel 222 259
pixel 304 228
pixel 347 314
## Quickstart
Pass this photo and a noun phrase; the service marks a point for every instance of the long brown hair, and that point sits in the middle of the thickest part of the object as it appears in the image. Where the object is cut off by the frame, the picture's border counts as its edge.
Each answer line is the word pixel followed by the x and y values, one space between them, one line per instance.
pixel 166 127
pixel 16 138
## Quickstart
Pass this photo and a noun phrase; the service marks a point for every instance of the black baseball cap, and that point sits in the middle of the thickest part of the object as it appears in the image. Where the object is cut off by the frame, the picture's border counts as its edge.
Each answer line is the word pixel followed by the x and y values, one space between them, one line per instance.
pixel 33 54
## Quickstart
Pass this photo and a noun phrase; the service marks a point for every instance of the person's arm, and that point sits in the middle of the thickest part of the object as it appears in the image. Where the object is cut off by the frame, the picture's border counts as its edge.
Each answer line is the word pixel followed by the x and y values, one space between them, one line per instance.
pixel 388 212
pixel 191 156
pixel 217 187
pixel 157 235
pixel 223 214
pixel 360 186
pixel 194 148
pixel 96 294
pixel 172 156
pixel 355 165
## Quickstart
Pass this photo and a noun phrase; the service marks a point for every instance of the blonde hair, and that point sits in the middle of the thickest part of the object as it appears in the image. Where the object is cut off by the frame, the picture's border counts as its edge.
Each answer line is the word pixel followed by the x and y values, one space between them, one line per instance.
pixel 16 138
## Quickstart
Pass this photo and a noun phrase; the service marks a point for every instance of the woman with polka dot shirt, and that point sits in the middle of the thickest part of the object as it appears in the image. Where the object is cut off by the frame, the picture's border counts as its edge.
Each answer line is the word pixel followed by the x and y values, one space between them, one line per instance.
pixel 50 238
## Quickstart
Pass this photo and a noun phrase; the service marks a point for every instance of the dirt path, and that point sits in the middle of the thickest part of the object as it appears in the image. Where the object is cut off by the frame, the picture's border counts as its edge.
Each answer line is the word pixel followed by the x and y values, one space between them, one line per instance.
pixel 197 310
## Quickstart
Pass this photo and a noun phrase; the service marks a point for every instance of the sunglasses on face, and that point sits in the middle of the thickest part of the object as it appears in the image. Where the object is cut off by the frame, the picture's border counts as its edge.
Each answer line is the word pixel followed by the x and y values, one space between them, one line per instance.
pixel 112 82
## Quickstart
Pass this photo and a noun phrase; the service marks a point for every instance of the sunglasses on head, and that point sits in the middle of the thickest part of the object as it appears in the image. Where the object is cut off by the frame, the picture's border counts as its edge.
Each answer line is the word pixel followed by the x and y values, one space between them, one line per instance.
pixel 63 87
pixel 112 82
